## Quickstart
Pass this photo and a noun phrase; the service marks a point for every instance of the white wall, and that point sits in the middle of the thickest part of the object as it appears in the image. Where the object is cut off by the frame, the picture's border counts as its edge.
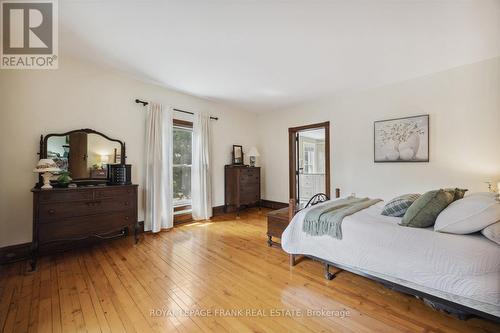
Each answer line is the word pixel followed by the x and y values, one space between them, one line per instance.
pixel 463 103
pixel 464 109
pixel 81 95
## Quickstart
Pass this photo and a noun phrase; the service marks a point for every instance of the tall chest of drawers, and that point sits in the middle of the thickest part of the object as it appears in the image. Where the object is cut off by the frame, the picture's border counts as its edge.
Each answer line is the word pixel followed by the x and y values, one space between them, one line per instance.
pixel 242 186
pixel 65 218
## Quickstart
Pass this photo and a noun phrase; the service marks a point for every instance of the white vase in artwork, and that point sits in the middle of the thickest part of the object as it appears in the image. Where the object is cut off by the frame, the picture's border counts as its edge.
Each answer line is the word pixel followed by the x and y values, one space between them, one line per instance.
pixel 406 154
pixel 392 155
pixel 412 144
pixel 390 150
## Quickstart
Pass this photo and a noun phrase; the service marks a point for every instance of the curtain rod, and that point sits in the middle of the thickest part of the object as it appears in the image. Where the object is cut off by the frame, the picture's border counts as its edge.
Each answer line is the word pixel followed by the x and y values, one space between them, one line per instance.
pixel 144 103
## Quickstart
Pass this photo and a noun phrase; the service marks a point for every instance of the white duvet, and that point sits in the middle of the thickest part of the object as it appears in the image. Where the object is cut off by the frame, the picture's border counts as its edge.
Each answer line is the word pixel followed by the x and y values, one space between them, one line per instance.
pixel 461 268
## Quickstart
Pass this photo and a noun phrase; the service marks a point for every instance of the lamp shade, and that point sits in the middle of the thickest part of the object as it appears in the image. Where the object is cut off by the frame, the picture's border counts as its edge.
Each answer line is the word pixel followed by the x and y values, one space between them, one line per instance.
pixel 253 152
pixel 104 159
pixel 46 165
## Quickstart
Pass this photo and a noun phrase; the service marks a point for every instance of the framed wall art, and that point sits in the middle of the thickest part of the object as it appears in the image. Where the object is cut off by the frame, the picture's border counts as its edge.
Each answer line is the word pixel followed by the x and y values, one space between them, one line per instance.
pixel 402 139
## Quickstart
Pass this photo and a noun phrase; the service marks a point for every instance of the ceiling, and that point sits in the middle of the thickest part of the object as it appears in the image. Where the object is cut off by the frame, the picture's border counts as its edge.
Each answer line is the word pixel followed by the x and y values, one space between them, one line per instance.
pixel 262 55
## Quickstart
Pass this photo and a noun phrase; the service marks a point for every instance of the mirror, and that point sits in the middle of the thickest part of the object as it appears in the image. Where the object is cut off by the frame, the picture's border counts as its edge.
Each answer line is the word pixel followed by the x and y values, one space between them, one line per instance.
pixel 83 153
pixel 237 154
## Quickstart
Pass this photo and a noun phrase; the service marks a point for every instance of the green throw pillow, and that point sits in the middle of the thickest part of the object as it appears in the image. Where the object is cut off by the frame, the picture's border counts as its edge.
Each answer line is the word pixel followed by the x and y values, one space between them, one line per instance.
pixel 398 206
pixel 457 193
pixel 424 211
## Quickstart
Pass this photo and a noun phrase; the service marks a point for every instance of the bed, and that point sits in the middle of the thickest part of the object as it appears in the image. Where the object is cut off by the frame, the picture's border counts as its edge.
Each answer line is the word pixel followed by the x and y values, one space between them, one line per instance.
pixel 456 271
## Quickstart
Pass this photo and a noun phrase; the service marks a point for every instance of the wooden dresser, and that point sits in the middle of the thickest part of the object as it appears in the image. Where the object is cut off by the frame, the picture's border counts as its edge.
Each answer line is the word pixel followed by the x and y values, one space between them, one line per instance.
pixel 242 187
pixel 65 218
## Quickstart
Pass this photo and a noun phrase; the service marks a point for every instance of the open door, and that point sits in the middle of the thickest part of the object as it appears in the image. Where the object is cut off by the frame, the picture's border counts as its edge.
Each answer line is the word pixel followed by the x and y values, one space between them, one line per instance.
pixel 309 162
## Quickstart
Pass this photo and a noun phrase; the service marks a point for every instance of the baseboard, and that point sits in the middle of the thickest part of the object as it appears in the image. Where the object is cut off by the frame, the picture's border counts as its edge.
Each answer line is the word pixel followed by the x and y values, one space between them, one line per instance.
pixel 182 218
pixel 273 204
pixel 14 253
pixel 219 210
pixel 141 227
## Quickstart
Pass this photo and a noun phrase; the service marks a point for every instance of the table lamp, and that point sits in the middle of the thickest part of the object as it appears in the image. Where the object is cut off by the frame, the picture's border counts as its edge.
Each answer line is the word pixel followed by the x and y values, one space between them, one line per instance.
pixel 46 166
pixel 253 153
pixel 104 160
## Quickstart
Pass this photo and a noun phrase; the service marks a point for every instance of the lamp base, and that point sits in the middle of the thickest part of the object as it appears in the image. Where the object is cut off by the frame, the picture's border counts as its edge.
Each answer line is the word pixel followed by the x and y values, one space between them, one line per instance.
pixel 46 180
pixel 252 161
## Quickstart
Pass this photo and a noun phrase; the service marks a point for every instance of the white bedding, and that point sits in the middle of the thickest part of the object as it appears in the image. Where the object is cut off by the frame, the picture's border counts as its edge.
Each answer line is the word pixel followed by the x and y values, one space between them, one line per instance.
pixel 461 268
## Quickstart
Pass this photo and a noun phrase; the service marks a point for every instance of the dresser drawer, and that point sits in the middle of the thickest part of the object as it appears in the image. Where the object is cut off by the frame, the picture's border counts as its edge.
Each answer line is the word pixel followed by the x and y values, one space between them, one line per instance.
pixel 249 188
pixel 306 193
pixel 114 193
pixel 249 172
pixel 60 196
pixel 248 198
pixel 50 212
pixel 249 179
pixel 84 226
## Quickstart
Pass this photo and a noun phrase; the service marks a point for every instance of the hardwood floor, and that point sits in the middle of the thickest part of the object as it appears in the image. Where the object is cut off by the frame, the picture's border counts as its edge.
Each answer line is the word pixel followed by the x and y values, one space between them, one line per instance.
pixel 218 266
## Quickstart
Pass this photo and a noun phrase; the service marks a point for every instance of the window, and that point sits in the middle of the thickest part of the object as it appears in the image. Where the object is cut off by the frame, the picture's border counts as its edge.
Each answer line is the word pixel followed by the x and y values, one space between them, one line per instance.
pixel 182 157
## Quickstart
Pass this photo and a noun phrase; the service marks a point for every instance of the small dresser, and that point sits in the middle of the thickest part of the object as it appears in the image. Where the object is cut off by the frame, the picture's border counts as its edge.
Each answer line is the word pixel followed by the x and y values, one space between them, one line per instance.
pixel 242 187
pixel 65 218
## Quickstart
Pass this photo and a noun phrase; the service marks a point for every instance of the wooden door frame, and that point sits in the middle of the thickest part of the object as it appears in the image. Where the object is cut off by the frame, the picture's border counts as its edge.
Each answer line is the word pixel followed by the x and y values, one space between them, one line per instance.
pixel 292 155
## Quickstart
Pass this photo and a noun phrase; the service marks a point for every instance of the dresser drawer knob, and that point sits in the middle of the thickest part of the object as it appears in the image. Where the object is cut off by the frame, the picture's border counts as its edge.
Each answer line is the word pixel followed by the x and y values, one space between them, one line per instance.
pixel 52 211
pixel 126 203
pixel 126 218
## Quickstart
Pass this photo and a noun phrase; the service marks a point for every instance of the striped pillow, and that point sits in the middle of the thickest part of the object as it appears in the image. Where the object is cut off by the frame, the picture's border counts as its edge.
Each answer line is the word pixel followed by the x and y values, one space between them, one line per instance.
pixel 397 207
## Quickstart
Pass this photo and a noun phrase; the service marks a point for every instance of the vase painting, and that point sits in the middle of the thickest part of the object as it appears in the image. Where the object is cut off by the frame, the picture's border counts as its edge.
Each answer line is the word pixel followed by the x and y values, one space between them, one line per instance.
pixel 402 139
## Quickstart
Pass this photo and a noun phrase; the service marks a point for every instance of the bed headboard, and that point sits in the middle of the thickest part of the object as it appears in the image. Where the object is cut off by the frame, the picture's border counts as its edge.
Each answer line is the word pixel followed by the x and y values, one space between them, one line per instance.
pixel 316 199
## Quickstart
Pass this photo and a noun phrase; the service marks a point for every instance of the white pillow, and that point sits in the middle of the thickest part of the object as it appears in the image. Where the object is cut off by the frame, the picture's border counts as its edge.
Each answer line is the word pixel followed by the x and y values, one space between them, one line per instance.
pixel 468 215
pixel 483 194
pixel 492 232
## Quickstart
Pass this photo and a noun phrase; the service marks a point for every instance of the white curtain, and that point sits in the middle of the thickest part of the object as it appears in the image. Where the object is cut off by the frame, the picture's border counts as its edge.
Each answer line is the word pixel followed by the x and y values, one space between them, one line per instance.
pixel 159 210
pixel 201 187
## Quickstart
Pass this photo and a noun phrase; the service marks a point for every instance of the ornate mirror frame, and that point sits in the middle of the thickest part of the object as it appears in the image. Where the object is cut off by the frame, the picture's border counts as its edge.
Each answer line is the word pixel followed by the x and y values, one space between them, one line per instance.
pixel 43 146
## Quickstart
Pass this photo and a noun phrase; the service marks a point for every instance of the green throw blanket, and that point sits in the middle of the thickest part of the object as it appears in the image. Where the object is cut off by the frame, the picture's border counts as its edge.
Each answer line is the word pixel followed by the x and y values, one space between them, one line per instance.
pixel 327 219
